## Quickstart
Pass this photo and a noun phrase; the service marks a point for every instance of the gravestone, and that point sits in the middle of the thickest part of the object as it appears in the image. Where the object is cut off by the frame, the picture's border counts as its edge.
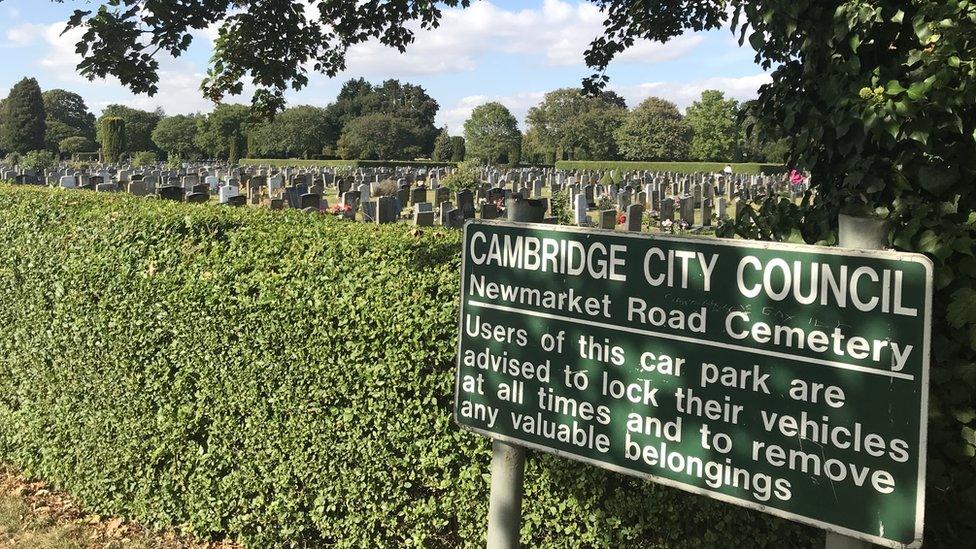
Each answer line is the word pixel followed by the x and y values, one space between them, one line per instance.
pixel 423 207
pixel 465 203
pixel 67 182
pixel 369 211
pixel 579 211
pixel 386 209
pixel 687 210
pixel 442 194
pixel 236 200
pixel 137 187
pixel 226 192
pixel 170 192
pixel 423 219
pixel 309 200
pixel 635 215
pixel 666 211
pixel 489 211
pixel 721 207
pixel 107 188
pixel 528 210
pixel 608 219
pixel 418 195
pixel 198 198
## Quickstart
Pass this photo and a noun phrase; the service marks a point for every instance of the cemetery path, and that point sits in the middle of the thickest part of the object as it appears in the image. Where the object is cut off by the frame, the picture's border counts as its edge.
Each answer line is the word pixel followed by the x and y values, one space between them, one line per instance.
pixel 34 515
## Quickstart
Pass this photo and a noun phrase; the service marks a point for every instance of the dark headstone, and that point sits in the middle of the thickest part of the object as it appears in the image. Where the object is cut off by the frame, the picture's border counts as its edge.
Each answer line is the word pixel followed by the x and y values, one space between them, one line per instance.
pixel 170 192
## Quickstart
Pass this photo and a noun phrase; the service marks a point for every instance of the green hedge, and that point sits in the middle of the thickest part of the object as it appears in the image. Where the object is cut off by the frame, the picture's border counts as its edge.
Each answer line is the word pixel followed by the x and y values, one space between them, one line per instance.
pixel 277 377
pixel 683 167
pixel 299 163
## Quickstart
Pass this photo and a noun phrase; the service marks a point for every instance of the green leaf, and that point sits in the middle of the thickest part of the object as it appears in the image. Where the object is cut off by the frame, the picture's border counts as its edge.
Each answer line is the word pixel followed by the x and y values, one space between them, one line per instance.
pixel 962 308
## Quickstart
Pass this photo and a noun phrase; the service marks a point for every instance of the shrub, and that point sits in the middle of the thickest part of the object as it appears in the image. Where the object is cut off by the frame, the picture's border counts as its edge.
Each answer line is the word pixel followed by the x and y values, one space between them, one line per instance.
pixel 144 158
pixel 280 378
pixel 387 187
pixel 465 176
pixel 12 159
pixel 76 144
pixel 38 161
pixel 562 210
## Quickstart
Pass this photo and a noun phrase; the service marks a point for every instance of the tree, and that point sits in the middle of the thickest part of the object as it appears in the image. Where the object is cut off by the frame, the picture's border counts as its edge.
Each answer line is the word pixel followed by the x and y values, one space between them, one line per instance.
pixel 878 101
pixel 591 135
pixel 214 130
pixel 113 132
pixel 555 126
pixel 402 100
pixel 139 125
pixel 23 118
pixel 77 144
pixel 492 135
pixel 123 42
pixel 176 135
pixel 236 147
pixel 443 147
pixel 300 131
pixel 457 148
pixel 655 130
pixel 38 161
pixel 66 115
pixel 380 137
pixel 713 121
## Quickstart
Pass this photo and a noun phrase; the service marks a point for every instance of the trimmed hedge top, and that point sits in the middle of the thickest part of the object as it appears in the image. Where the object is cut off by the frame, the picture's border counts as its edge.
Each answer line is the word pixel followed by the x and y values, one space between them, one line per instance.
pixel 278 377
pixel 299 163
pixel 681 167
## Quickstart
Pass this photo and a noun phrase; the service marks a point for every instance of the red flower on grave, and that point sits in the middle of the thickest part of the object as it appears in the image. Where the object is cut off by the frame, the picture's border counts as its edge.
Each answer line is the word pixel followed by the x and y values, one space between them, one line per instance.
pixel 621 218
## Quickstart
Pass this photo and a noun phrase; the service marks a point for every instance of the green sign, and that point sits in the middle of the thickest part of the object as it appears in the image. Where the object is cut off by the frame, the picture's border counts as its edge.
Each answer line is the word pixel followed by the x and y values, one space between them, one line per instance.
pixel 785 378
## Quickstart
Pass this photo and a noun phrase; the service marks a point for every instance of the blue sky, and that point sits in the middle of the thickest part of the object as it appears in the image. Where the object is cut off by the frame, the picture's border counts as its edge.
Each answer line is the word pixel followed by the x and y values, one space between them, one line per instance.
pixel 500 50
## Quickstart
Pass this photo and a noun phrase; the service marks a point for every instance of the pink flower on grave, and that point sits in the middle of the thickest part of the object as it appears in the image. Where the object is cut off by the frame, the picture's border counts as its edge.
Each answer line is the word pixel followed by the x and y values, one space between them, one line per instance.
pixel 796 177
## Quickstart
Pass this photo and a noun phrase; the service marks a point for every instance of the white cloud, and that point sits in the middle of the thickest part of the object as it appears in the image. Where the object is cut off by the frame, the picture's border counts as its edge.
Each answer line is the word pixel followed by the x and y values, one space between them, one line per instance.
pixel 557 32
pixel 684 94
pixel 24 34
pixel 455 116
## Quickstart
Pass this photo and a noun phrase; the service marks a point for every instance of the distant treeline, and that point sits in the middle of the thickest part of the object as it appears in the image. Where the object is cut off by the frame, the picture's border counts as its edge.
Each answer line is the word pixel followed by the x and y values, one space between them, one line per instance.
pixel 392 121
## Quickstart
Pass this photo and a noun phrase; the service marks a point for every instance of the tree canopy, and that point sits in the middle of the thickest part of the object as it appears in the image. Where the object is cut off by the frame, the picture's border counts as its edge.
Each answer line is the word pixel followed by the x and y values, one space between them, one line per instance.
pixel 380 136
pixel 491 135
pixel 556 124
pixel 175 135
pixel 216 130
pixel 139 125
pixel 22 125
pixel 66 115
pixel 713 121
pixel 655 130
pixel 301 131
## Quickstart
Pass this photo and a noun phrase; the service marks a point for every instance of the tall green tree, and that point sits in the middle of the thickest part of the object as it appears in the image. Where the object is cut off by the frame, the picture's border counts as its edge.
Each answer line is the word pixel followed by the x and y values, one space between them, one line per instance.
pixel 443 147
pixel 214 129
pixel 66 115
pixel 113 132
pixel 655 130
pixel 555 125
pixel 139 125
pixel 23 125
pixel 300 131
pixel 713 121
pixel 492 135
pixel 380 136
pixel 176 136
pixel 402 100
pixel 457 148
